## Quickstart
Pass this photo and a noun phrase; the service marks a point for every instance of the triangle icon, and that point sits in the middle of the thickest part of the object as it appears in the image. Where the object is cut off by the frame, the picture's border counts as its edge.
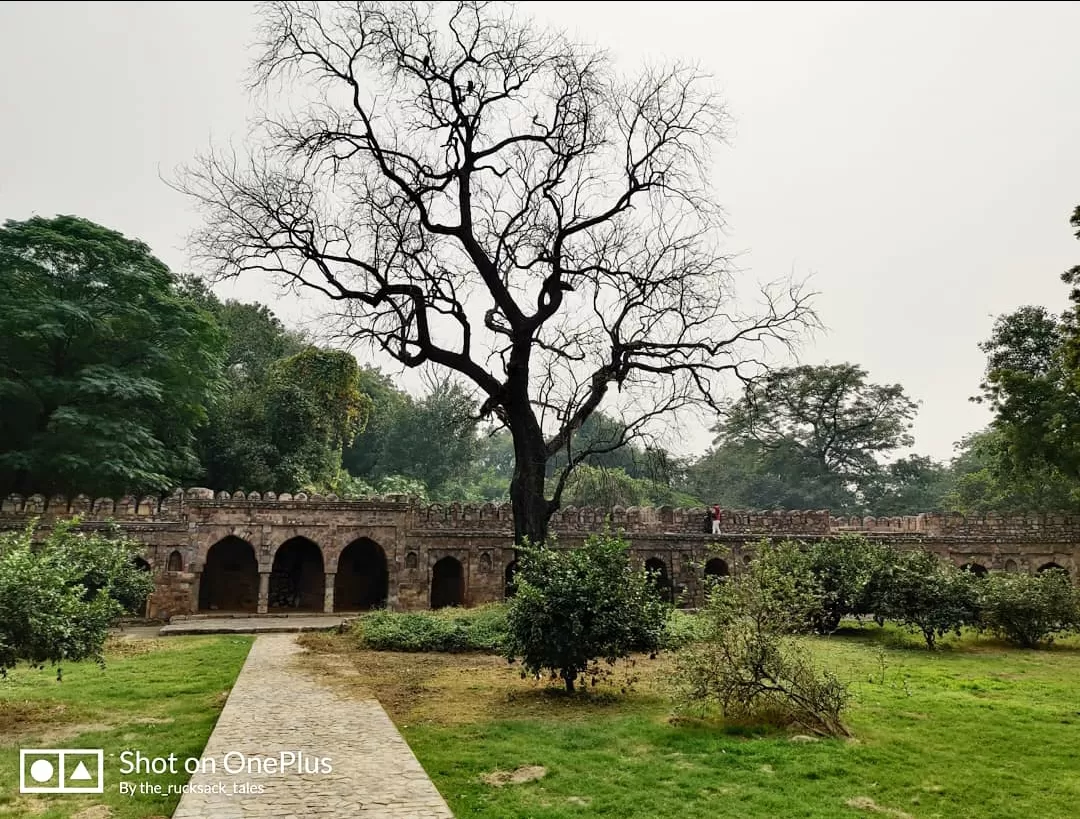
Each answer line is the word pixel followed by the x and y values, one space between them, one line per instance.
pixel 80 772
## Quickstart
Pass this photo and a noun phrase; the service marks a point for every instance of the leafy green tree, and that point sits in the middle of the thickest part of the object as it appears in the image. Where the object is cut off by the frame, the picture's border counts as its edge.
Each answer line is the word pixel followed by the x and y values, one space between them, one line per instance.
pixel 839 571
pixel 432 440
pixel 743 474
pixel 362 457
pixel 908 486
pixel 59 598
pixel 106 367
pixel 1032 384
pixel 928 595
pixel 235 445
pixel 314 408
pixel 1029 609
pixel 576 606
pixel 986 477
pixel 810 437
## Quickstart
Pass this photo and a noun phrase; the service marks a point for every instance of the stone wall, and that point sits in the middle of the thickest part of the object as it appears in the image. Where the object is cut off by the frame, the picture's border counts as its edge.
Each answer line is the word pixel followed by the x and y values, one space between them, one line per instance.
pixel 224 552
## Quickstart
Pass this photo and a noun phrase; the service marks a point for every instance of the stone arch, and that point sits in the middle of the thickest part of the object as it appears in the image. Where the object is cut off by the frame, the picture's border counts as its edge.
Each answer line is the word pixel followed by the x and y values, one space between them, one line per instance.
pixel 230 577
pixel 362 580
pixel 1010 565
pixel 141 564
pixel 976 569
pixel 412 561
pixel 658 573
pixel 447 583
pixel 485 563
pixel 510 579
pixel 747 560
pixel 176 561
pixel 297 578
pixel 717 567
pixel 1051 566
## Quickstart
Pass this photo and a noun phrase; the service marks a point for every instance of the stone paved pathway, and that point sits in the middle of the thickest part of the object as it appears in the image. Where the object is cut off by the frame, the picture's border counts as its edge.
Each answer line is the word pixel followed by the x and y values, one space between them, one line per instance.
pixel 253 625
pixel 276 708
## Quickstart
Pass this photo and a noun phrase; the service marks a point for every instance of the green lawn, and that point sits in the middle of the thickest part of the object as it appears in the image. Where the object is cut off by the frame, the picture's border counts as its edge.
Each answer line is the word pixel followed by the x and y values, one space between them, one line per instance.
pixel 973 730
pixel 154 696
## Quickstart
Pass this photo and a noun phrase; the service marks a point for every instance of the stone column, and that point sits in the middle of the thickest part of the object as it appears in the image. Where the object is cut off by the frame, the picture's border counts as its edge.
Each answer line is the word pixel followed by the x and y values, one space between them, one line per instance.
pixel 328 594
pixel 193 601
pixel 264 592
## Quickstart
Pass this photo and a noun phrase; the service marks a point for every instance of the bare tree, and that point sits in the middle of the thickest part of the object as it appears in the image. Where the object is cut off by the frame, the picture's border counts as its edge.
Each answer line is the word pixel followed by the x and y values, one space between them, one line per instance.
pixel 480 194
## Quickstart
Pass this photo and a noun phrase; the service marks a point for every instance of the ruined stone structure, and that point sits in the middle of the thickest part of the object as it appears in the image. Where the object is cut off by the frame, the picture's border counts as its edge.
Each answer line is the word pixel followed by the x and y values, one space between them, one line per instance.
pixel 286 553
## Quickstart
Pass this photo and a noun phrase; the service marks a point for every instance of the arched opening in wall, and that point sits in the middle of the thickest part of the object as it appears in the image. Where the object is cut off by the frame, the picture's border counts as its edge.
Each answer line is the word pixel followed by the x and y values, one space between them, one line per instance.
pixel 976 569
pixel 230 578
pixel 1010 565
pixel 510 579
pixel 140 606
pixel 658 576
pixel 717 567
pixel 1050 567
pixel 362 581
pixel 447 583
pixel 297 580
pixel 747 559
pixel 176 561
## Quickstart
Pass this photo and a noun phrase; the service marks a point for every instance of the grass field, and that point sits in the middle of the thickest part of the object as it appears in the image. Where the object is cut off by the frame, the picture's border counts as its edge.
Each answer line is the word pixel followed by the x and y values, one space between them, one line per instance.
pixel 976 729
pixel 154 696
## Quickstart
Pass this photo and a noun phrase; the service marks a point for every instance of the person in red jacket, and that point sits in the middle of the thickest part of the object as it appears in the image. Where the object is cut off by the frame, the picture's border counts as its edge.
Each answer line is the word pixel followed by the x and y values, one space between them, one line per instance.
pixel 717 516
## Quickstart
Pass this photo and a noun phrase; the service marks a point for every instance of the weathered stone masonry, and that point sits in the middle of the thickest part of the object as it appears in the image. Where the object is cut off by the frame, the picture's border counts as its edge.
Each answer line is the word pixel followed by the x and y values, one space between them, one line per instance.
pixel 281 553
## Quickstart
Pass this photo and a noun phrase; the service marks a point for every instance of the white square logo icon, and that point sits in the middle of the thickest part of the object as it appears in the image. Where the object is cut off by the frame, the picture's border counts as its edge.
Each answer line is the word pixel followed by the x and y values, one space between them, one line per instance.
pixel 61 770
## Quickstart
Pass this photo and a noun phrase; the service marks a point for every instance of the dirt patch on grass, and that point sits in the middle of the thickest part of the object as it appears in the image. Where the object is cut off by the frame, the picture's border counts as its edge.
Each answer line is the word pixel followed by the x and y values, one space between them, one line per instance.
pixel 869 805
pixel 94 812
pixel 526 773
pixel 24 807
pixel 454 689
pixel 48 721
pixel 126 645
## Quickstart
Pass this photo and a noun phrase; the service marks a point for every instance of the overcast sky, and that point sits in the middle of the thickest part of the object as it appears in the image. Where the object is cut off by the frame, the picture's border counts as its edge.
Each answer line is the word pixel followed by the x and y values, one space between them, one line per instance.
pixel 921 161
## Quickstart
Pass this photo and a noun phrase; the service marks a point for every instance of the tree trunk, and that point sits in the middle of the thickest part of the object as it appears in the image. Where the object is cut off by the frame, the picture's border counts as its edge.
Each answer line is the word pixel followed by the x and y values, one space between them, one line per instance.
pixel 530 506
pixel 569 677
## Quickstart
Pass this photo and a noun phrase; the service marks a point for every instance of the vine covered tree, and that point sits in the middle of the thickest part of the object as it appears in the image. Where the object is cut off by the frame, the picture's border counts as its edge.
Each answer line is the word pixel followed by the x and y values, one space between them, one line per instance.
pixel 480 194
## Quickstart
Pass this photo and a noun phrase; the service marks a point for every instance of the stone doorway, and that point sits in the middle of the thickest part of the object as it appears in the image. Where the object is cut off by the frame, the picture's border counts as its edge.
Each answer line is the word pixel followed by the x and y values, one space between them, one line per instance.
pixel 297 579
pixel 230 578
pixel 447 583
pixel 362 579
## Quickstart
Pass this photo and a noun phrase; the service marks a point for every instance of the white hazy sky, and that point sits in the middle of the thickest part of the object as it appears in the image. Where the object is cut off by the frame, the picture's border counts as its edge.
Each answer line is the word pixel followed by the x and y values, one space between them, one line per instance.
pixel 920 161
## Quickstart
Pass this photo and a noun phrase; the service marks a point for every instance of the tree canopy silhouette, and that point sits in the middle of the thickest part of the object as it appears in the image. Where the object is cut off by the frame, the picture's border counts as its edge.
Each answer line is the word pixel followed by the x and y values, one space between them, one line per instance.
pixel 476 192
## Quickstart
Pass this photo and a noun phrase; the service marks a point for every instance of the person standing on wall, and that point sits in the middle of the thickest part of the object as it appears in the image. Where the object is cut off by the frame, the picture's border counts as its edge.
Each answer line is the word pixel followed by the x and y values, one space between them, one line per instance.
pixel 717 516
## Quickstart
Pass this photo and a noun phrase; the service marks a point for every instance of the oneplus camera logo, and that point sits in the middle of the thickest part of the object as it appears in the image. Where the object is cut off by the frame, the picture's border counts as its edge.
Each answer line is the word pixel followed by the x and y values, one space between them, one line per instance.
pixel 61 770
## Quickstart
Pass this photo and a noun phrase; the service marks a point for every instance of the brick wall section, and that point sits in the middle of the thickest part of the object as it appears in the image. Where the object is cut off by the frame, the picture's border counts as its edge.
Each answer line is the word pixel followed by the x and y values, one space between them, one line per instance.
pixel 414 537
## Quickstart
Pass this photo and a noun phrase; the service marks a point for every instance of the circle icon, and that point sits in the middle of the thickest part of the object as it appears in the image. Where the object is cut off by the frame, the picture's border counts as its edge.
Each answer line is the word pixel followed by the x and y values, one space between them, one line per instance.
pixel 41 770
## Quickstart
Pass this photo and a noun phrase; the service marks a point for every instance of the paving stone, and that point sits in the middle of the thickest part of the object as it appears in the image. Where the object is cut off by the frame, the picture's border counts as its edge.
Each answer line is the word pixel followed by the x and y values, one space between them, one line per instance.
pixel 275 707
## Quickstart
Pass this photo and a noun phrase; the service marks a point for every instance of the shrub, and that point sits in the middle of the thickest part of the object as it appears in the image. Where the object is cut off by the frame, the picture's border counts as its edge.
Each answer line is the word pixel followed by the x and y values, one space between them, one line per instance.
pixel 928 595
pixel 749 664
pixel 59 598
pixel 575 606
pixel 450 630
pixel 843 573
pixel 1029 609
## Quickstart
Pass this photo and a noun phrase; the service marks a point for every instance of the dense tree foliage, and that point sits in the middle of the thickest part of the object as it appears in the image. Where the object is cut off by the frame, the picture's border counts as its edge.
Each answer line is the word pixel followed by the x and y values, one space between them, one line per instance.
pixel 812 437
pixel 106 367
pixel 59 598
pixel 1031 456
